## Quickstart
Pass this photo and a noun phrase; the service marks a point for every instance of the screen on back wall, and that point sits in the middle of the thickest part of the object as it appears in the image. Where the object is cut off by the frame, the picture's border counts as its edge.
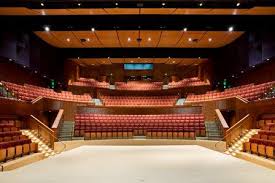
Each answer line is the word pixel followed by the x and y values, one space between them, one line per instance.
pixel 138 66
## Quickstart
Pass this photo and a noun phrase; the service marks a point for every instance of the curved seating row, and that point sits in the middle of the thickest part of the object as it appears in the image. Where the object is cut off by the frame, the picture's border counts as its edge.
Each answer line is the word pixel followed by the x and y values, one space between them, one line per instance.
pixel 138 86
pixel 187 82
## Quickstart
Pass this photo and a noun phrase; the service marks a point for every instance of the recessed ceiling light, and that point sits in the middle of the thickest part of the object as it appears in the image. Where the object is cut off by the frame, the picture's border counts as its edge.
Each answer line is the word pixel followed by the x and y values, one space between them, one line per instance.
pixel 44 76
pixel 35 71
pixel 79 4
pixel 93 64
pixel 238 4
pixel 230 29
pixel 199 57
pixel 267 59
pixel 108 57
pixel 116 4
pixel 68 39
pixel 88 39
pixel 47 28
pixel 163 4
pixel 201 4
pixel 24 66
pixel 129 39
pixel 169 57
pixel 185 29
pixel 253 66
pixel 190 39
pixel 138 57
pixel 92 29
pixel 209 39
pixel 132 61
pixel 233 76
pixel 173 62
pixel 10 59
pixel 242 71
pixel 42 4
pixel 78 58
pixel 149 39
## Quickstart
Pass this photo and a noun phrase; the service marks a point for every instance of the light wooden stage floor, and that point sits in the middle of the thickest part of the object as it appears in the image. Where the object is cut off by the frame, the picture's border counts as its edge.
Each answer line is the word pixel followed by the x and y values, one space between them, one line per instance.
pixel 135 164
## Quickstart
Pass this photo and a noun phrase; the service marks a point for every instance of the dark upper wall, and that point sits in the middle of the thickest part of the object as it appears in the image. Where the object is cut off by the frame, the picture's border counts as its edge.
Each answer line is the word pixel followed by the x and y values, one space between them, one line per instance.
pixel 119 73
pixel 250 49
pixel 28 50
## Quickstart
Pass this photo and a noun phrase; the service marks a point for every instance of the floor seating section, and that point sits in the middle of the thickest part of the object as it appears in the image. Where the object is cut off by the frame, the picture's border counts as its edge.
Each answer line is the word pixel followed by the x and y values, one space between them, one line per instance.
pixel 263 143
pixel 169 100
pixel 187 82
pixel 30 92
pixel 138 85
pixel 12 143
pixel 103 126
pixel 249 92
pixel 89 82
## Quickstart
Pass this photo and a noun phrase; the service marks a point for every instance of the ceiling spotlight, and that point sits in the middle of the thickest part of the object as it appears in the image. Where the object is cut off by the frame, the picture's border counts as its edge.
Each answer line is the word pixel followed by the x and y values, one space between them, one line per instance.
pixel 209 39
pixel 108 57
pixel 10 59
pixel 238 4
pixel 78 58
pixel 79 4
pixel 185 29
pixel 92 29
pixel 201 4
pixel 116 4
pixel 24 66
pixel 169 57
pixel 190 39
pixel 267 59
pixel 68 39
pixel 129 39
pixel 199 57
pixel 88 39
pixel 35 71
pixel 42 4
pixel 230 29
pixel 138 57
pixel 253 66
pixel 44 76
pixel 163 4
pixel 149 39
pixel 132 61
pixel 233 76
pixel 47 28
pixel 173 62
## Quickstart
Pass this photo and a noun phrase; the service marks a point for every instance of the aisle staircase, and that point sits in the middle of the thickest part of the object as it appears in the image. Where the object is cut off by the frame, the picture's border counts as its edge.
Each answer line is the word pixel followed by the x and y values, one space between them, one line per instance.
pixel 213 131
pixel 66 132
pixel 43 144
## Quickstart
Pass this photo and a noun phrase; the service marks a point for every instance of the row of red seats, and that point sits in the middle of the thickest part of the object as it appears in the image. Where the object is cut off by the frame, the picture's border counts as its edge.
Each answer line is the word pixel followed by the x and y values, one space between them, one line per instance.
pixel 30 92
pixel 10 134
pixel 89 82
pixel 194 122
pixel 138 86
pixel 138 116
pixel 250 92
pixel 139 100
pixel 187 82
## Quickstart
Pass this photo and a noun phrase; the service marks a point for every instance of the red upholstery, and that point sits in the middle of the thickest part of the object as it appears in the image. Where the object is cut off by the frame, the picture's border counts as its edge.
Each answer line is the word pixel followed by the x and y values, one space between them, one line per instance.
pixel 250 92
pixel 139 124
pixel 30 92
pixel 187 82
pixel 139 100
pixel 89 82
pixel 138 86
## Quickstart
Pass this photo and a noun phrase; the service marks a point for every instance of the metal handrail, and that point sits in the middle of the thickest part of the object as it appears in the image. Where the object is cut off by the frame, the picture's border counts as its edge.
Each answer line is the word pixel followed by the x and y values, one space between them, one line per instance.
pixel 41 124
pixel 230 132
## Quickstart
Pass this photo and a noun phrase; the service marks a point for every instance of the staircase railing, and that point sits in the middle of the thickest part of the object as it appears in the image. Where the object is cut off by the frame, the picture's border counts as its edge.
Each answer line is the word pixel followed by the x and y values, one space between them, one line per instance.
pixel 58 122
pixel 223 126
pixel 236 130
pixel 45 132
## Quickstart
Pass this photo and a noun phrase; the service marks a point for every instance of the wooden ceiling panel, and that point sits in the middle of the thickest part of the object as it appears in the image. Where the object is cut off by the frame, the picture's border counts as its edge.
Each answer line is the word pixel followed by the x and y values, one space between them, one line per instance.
pixel 108 38
pixel 174 60
pixel 53 12
pixel 261 11
pixel 139 60
pixel 49 38
pixel 170 38
pixel 128 38
pixel 17 11
pixel 117 60
pixel 68 39
pixel 192 11
pixel 87 11
pixel 90 37
pixel 157 11
pixel 195 37
pixel 150 38
pixel 124 11
pixel 228 11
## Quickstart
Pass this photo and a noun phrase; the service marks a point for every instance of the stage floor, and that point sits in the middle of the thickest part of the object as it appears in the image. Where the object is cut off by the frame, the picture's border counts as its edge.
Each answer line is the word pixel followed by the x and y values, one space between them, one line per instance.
pixel 135 164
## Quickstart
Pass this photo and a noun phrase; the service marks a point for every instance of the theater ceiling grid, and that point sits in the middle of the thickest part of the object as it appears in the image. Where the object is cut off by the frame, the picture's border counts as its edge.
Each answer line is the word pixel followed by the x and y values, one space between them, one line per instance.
pixel 123 11
pixel 108 61
pixel 128 39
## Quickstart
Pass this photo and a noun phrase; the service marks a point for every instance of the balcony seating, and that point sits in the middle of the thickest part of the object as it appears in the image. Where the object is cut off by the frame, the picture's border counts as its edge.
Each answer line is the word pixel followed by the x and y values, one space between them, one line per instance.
pixel 12 143
pixel 102 126
pixel 263 143
pixel 249 92
pixel 29 92
pixel 89 82
pixel 138 85
pixel 139 100
pixel 187 82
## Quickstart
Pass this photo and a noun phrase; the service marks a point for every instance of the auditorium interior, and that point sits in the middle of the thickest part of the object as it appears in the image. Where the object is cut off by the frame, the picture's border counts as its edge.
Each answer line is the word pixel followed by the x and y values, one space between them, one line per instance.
pixel 129 91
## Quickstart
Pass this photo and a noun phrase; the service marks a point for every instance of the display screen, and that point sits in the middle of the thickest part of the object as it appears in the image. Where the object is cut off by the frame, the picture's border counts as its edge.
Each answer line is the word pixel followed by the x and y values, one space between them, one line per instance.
pixel 138 66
